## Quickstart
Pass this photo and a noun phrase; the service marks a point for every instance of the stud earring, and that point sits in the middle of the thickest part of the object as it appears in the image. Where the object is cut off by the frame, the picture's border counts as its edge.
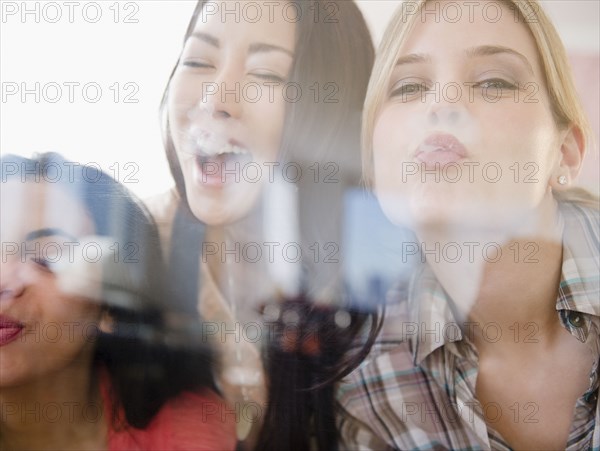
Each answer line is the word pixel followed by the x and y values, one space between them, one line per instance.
pixel 562 180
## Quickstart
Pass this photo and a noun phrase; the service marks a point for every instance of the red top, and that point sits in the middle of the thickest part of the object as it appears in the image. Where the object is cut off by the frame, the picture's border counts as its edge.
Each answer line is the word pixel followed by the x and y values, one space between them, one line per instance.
pixel 189 422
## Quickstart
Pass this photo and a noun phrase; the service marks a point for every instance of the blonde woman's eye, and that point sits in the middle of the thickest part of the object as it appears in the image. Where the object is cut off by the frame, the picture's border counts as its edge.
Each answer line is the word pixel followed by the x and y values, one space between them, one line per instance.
pixel 408 90
pixel 496 83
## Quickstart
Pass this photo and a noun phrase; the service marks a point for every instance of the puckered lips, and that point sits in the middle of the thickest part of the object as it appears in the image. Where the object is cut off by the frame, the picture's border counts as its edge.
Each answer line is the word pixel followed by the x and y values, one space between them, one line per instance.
pixel 439 150
pixel 10 329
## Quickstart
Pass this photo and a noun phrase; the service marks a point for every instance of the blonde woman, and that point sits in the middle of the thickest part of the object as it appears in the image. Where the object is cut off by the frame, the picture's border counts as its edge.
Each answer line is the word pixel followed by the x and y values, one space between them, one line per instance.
pixel 473 136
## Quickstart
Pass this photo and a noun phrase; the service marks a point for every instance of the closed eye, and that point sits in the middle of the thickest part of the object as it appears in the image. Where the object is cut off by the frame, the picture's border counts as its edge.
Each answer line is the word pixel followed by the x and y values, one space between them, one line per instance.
pixel 42 263
pixel 496 83
pixel 268 76
pixel 197 64
pixel 407 91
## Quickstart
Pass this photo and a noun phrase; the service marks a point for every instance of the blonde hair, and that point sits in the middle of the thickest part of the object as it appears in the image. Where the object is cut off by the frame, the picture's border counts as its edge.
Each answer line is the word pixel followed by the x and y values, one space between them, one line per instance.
pixel 566 105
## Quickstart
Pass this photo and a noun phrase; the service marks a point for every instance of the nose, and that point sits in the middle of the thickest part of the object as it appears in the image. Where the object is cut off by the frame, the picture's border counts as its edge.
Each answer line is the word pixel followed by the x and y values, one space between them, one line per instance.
pixel 447 105
pixel 223 98
pixel 446 115
pixel 12 283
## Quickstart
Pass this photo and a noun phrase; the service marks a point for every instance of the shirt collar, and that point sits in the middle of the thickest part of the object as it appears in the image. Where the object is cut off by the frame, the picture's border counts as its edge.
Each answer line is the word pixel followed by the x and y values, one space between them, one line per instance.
pixel 434 323
pixel 430 314
pixel 578 301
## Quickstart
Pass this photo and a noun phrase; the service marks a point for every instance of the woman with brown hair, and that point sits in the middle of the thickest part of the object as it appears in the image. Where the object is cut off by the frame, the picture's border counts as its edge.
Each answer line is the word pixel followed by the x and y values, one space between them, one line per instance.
pixel 88 356
pixel 260 115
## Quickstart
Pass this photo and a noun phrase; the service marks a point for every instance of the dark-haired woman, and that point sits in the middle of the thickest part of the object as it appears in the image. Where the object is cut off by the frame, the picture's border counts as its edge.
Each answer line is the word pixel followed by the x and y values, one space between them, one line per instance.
pixel 259 91
pixel 88 359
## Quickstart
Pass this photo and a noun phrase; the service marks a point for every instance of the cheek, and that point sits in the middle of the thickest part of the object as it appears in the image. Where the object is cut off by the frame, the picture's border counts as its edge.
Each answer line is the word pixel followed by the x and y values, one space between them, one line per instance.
pixel 391 147
pixel 521 134
pixel 47 301
pixel 60 335
pixel 77 324
pixel 182 98
pixel 399 128
pixel 267 120
pixel 78 313
pixel 383 136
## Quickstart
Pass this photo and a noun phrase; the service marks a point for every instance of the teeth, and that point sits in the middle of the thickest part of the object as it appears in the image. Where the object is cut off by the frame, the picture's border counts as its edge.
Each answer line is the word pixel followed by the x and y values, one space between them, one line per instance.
pixel 212 150
pixel 236 150
pixel 212 144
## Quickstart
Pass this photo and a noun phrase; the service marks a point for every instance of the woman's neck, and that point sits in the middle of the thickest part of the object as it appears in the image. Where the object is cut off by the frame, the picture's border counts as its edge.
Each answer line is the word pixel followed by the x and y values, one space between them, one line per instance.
pixel 60 410
pixel 503 280
pixel 240 274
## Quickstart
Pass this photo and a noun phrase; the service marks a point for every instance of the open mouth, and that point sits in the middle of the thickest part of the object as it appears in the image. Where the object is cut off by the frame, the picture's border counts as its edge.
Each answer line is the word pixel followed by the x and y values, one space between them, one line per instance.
pixel 219 160
pixel 224 153
pixel 216 166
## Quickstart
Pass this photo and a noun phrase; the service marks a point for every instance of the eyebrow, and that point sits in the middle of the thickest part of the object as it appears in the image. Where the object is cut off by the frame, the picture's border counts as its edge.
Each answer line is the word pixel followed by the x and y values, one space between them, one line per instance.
pixel 490 50
pixel 262 48
pixel 413 58
pixel 484 50
pixel 209 39
pixel 42 233
pixel 259 47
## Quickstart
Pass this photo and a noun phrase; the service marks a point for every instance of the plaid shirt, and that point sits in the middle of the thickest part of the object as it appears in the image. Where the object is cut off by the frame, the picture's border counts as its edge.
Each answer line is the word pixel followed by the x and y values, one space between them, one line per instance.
pixel 416 389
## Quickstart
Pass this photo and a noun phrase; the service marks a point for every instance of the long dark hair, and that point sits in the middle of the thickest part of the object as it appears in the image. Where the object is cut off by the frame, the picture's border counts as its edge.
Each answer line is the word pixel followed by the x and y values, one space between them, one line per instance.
pixel 148 362
pixel 336 57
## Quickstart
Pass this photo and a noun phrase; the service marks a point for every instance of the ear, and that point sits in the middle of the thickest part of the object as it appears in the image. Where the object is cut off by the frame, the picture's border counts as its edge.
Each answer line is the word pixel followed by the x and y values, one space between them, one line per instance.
pixel 107 322
pixel 572 151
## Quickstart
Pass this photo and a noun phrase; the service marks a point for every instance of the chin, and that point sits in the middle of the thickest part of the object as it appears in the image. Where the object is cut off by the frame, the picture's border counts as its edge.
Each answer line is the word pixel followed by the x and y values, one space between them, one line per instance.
pixel 223 207
pixel 211 217
pixel 217 215
pixel 415 205
pixel 13 375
